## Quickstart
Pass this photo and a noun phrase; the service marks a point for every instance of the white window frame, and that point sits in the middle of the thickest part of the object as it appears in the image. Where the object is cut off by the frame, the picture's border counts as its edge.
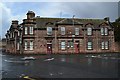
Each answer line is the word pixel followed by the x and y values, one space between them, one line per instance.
pixel 104 45
pixel 89 31
pixel 62 29
pixel 26 30
pixel 49 30
pixel 77 31
pixel 62 45
pixel 26 45
pixel 102 31
pixel 31 45
pixel 18 33
pixel 18 46
pixel 89 45
pixel 31 30
pixel 106 31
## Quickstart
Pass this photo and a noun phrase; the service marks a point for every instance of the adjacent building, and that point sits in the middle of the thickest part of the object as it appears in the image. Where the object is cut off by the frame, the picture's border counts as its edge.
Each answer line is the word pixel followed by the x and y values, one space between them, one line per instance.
pixel 40 35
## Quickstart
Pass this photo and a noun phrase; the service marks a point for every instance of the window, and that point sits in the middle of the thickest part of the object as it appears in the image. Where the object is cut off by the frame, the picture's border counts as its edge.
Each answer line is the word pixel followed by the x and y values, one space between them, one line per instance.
pixel 104 45
pixel 89 31
pixel 25 30
pixel 63 45
pixel 89 45
pixel 49 30
pixel 31 30
pixel 104 31
pixel 31 45
pixel 18 33
pixel 18 46
pixel 13 34
pixel 62 30
pixel 70 44
pixel 76 31
pixel 25 45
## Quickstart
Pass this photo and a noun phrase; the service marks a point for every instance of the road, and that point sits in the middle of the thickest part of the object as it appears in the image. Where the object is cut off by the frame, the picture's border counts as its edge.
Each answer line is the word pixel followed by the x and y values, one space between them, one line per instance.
pixel 61 66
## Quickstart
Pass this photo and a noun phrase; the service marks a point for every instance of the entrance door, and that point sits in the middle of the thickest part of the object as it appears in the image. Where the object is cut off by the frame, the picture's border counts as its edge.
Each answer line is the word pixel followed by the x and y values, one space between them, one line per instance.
pixel 76 48
pixel 49 48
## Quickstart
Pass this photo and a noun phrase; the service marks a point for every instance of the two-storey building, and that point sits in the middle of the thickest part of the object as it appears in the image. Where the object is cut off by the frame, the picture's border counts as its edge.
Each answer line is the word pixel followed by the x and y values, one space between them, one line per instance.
pixel 40 35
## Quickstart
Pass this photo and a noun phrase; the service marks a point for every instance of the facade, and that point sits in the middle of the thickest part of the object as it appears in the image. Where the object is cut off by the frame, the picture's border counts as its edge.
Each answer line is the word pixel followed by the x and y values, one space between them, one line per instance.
pixel 39 35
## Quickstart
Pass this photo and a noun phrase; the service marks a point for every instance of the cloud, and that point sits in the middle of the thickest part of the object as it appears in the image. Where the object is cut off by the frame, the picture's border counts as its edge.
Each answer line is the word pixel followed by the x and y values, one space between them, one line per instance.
pixel 60 0
pixel 5 18
pixel 18 10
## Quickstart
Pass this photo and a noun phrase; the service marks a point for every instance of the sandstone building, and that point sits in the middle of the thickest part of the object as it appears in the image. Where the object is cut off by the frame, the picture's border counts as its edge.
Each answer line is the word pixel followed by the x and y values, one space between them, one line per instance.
pixel 40 35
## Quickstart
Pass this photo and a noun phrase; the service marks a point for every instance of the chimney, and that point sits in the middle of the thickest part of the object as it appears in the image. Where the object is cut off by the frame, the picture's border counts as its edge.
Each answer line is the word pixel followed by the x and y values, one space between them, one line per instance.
pixel 30 15
pixel 14 22
pixel 107 19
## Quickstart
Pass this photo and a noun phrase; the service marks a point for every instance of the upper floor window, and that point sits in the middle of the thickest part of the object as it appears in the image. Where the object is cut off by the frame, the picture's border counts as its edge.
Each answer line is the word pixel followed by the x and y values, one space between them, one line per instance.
pixel 104 31
pixel 89 31
pixel 76 31
pixel 62 30
pixel 104 45
pixel 26 30
pixel 31 30
pixel 49 30
pixel 89 45
pixel 63 45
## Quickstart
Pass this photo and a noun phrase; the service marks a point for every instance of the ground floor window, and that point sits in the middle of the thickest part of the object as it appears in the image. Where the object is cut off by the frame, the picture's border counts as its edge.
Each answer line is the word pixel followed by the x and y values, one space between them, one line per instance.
pixel 31 45
pixel 63 45
pixel 104 45
pixel 26 45
pixel 70 44
pixel 89 45
pixel 18 46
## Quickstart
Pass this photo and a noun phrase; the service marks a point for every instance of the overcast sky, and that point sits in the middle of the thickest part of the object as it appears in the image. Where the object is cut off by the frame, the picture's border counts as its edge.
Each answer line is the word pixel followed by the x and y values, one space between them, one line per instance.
pixel 17 10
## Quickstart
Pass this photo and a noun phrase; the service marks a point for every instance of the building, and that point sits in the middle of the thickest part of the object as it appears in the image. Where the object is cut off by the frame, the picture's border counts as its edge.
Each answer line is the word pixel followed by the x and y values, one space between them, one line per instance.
pixel 40 35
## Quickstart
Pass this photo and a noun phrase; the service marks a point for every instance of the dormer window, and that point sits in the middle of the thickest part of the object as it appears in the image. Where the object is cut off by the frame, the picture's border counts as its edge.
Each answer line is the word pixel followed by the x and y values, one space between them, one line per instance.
pixel 49 30
pixel 89 31
pixel 62 30
pixel 104 31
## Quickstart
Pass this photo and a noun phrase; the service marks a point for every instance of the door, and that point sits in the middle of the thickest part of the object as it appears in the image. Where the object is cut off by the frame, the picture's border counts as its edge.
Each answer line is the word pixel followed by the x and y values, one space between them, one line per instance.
pixel 76 48
pixel 49 48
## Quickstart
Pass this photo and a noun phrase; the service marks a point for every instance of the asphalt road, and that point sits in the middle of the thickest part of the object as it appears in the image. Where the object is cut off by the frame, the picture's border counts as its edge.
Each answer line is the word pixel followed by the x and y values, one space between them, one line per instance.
pixel 61 66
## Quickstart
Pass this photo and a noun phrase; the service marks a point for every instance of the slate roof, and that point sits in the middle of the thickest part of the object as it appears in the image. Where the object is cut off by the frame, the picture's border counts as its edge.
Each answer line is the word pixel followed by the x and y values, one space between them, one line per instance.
pixel 42 21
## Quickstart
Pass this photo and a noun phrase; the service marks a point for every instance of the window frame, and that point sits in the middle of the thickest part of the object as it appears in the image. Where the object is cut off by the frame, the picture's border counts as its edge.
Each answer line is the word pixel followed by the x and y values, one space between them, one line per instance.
pixel 77 31
pixel 31 45
pixel 89 31
pixel 62 30
pixel 25 45
pixel 49 30
pixel 89 45
pixel 31 30
pixel 62 45
pixel 26 30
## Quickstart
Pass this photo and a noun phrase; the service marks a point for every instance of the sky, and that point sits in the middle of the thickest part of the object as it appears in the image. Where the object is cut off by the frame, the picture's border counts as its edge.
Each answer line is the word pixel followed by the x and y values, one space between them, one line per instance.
pixel 16 10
